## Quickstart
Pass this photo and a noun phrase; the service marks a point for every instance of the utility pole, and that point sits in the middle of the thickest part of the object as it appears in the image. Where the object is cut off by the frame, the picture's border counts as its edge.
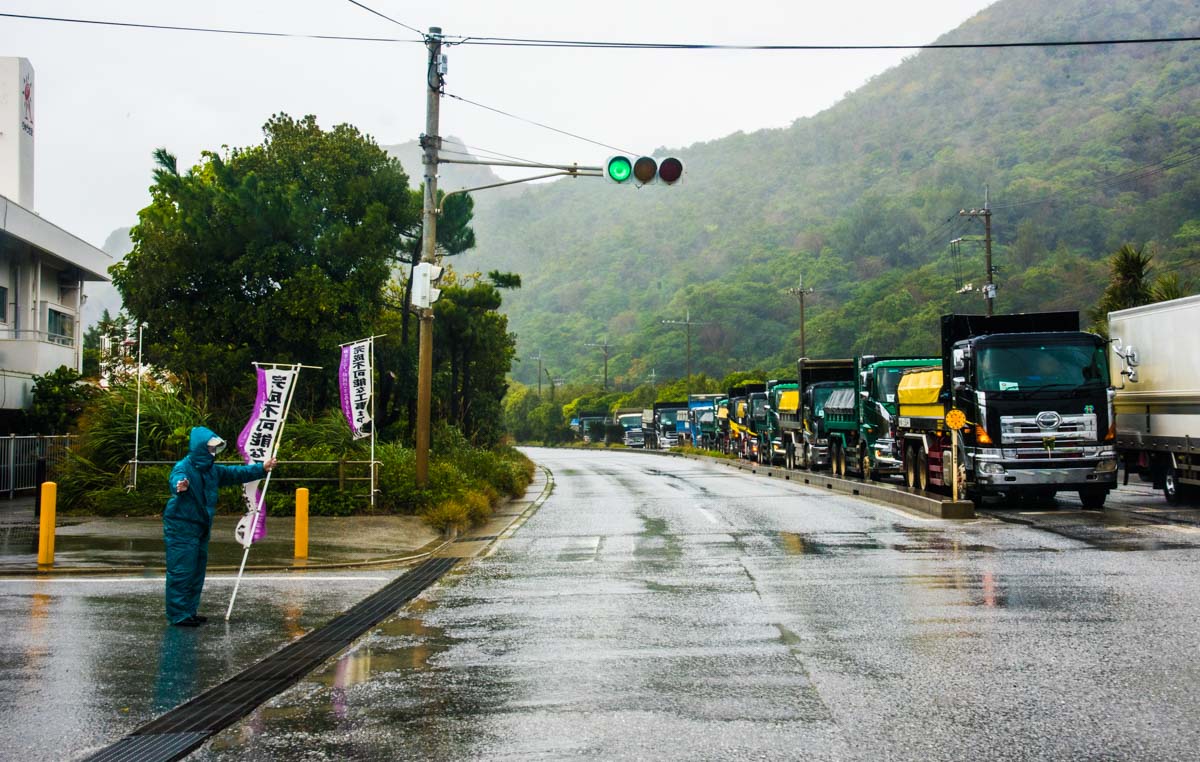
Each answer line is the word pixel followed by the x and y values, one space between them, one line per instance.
pixel 551 380
pixel 430 141
pixel 539 373
pixel 800 292
pixel 688 323
pixel 605 346
pixel 989 289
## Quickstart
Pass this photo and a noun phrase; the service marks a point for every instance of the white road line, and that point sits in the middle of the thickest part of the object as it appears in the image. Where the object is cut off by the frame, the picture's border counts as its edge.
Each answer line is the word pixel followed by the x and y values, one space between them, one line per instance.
pixel 159 580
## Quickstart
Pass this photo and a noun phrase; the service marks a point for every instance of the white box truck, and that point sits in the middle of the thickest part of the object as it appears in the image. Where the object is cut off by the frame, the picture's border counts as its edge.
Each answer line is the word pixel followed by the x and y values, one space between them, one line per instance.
pixel 1156 382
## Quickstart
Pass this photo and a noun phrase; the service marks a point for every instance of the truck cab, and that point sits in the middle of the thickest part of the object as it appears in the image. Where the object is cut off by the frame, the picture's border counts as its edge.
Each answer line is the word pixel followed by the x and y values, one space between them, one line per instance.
pixel 702 419
pixel 631 427
pixel 1036 396
pixel 781 399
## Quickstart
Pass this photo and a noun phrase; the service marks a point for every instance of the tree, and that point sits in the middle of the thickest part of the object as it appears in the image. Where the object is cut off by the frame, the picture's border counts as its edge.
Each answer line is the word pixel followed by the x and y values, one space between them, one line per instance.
pixel 1129 285
pixel 58 400
pixel 277 252
pixel 473 352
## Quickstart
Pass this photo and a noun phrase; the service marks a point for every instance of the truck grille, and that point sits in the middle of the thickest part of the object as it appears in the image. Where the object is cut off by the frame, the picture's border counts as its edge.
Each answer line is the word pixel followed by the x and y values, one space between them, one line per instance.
pixel 1026 429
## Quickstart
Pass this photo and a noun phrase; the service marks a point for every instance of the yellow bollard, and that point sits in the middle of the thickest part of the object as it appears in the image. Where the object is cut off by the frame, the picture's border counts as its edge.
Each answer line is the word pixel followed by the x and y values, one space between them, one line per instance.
pixel 46 533
pixel 302 522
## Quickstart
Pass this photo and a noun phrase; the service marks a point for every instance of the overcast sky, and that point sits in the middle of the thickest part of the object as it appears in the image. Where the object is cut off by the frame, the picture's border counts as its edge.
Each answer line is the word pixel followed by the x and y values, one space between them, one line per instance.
pixel 106 97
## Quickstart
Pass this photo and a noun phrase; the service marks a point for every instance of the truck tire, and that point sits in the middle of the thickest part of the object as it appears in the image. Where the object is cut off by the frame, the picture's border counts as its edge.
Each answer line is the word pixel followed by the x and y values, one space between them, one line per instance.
pixel 922 464
pixel 1093 498
pixel 864 464
pixel 910 467
pixel 1172 489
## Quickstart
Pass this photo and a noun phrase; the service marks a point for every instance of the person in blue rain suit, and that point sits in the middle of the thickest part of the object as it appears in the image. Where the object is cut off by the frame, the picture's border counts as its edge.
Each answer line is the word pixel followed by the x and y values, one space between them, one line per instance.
pixel 188 519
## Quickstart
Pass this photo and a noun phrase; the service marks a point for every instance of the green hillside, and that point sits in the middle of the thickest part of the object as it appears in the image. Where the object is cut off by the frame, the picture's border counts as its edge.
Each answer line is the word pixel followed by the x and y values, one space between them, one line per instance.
pixel 1083 149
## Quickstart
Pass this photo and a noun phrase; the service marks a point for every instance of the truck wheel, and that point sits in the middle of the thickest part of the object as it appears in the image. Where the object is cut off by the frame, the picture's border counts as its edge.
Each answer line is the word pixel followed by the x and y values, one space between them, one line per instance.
pixel 841 461
pixel 910 467
pixel 864 464
pixel 834 450
pixel 922 470
pixel 1171 487
pixel 1093 499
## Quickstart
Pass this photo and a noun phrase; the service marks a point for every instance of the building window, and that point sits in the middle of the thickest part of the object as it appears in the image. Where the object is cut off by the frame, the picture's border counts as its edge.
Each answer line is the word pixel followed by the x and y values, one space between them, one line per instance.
pixel 3 304
pixel 61 327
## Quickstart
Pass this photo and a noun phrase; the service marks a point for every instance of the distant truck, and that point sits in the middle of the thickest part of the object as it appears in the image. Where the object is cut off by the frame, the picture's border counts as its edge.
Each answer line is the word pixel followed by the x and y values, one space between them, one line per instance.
pixel 742 401
pixel 630 421
pixel 859 423
pixel 1035 393
pixel 701 425
pixel 592 426
pixel 1156 379
pixel 781 393
pixel 803 433
pixel 667 416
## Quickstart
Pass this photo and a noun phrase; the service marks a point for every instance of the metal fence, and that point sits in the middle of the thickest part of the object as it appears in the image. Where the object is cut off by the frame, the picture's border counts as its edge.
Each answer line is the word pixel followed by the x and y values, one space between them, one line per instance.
pixel 19 457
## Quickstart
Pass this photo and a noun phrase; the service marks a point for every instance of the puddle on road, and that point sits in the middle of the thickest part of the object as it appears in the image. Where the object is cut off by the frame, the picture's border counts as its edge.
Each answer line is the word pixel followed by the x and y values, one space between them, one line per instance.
pixel 826 543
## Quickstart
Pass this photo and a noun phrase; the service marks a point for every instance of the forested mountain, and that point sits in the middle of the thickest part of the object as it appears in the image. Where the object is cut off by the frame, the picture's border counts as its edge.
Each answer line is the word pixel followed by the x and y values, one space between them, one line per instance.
pixel 1083 149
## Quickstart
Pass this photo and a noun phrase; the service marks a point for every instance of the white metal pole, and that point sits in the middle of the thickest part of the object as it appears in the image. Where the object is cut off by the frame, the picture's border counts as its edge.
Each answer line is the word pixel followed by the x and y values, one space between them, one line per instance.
pixel 262 495
pixel 137 416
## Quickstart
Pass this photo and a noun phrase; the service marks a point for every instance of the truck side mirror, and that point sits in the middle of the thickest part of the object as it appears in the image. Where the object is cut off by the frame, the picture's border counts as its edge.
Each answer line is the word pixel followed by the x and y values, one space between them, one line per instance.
pixel 960 361
pixel 865 394
pixel 960 383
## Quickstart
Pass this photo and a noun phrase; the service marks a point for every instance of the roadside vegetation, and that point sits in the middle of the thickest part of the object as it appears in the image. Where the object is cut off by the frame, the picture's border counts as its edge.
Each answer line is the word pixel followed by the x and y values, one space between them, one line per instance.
pixel 280 252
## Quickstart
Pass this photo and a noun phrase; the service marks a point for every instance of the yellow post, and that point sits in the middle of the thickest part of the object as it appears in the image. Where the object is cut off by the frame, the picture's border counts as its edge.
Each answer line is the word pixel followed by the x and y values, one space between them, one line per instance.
pixel 302 522
pixel 46 533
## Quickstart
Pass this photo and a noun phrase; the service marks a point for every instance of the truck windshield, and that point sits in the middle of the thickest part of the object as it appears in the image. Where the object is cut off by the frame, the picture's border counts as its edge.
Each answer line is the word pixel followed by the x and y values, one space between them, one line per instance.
pixel 633 421
pixel 887 381
pixel 667 418
pixel 1033 367
pixel 820 397
pixel 757 406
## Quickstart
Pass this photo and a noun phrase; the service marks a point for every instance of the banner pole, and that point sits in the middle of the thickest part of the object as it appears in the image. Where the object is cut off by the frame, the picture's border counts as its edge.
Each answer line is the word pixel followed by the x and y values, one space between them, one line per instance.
pixel 373 423
pixel 262 495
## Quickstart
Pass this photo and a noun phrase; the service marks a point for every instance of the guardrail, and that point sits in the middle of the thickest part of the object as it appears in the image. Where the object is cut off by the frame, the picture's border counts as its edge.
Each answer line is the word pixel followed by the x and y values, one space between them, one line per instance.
pixel 19 457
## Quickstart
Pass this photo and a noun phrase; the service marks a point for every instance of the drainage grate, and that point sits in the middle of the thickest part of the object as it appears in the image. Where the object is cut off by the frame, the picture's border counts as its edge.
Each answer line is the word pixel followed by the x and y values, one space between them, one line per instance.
pixel 184 728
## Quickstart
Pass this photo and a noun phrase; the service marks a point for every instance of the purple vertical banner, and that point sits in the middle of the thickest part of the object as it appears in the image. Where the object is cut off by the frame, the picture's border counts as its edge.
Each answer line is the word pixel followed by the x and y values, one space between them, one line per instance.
pixel 354 386
pixel 259 439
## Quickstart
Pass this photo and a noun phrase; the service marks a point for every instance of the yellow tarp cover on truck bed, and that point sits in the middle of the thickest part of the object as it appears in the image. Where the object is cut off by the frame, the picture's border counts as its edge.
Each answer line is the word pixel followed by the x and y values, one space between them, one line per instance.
pixel 789 401
pixel 918 393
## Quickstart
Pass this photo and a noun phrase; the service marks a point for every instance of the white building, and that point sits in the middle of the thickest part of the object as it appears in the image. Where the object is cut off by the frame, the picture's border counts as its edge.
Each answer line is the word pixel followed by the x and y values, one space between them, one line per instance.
pixel 43 268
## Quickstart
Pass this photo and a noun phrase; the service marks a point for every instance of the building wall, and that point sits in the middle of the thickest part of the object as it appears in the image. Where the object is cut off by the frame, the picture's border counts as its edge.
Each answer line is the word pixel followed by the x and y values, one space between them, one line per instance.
pixel 17 116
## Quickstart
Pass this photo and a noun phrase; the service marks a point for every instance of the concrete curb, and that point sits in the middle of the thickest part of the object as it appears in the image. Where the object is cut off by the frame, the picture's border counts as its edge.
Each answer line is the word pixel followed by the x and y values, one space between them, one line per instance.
pixel 930 505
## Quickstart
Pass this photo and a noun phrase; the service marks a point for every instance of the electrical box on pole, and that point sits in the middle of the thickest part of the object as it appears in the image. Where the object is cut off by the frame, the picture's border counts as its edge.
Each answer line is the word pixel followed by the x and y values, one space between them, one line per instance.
pixel 425 279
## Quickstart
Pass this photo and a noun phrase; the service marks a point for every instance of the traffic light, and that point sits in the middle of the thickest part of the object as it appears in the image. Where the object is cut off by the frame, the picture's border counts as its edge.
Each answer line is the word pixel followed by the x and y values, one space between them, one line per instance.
pixel 425 291
pixel 643 170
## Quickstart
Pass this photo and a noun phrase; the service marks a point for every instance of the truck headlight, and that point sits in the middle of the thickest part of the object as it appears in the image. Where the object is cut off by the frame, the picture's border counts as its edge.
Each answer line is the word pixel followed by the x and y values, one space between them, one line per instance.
pixel 990 468
pixel 1106 466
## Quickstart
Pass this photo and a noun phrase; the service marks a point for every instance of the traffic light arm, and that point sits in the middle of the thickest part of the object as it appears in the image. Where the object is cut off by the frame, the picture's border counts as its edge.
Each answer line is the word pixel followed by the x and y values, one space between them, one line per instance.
pixel 515 182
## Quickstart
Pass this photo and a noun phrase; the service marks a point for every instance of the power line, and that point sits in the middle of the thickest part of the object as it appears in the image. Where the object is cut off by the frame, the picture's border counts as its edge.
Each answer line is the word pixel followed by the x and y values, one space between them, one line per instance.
pixel 479 150
pixel 206 30
pixel 614 45
pixel 382 16
pixel 602 44
pixel 539 124
pixel 1171 161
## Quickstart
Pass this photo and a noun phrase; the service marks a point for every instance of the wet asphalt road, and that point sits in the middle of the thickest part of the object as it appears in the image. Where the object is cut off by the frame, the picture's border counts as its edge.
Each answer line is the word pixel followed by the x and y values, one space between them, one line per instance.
pixel 662 608
pixel 85 660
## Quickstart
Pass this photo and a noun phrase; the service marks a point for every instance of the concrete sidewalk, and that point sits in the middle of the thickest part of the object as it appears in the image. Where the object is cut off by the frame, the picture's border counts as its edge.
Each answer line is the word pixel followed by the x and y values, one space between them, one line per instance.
pixel 91 545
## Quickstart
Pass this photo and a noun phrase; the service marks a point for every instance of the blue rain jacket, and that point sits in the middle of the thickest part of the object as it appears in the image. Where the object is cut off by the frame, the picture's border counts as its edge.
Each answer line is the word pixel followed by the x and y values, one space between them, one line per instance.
pixel 191 512
pixel 188 520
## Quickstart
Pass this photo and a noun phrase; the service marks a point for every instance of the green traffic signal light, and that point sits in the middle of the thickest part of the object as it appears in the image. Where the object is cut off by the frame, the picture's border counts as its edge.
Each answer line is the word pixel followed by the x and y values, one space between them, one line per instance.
pixel 619 169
